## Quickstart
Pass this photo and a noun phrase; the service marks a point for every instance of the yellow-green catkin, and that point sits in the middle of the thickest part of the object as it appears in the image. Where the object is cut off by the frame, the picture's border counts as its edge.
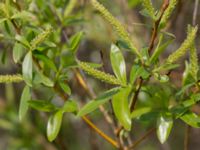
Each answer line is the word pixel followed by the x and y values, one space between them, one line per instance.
pixel 105 77
pixel 194 62
pixel 147 4
pixel 10 78
pixel 120 29
pixel 69 8
pixel 186 45
pixel 41 37
pixel 168 11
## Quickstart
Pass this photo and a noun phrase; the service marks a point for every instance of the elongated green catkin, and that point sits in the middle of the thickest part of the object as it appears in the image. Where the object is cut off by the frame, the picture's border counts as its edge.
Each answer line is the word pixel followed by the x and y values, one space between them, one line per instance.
pixel 41 37
pixel 147 4
pixel 194 62
pixel 186 45
pixel 105 77
pixel 69 8
pixel 168 11
pixel 10 78
pixel 116 25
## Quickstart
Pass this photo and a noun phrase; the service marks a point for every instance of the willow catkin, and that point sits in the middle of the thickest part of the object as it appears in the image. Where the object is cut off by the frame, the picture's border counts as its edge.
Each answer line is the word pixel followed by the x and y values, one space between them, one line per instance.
pixel 147 4
pixel 119 28
pixel 105 77
pixel 168 11
pixel 186 45
pixel 41 37
pixel 194 62
pixel 10 78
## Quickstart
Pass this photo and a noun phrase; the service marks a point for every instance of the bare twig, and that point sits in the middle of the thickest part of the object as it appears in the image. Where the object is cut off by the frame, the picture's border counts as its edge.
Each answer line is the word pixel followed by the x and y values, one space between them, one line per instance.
pixel 195 12
pixel 186 138
pixel 140 82
pixel 136 143
pixel 107 138
pixel 17 29
pixel 156 25
pixel 90 92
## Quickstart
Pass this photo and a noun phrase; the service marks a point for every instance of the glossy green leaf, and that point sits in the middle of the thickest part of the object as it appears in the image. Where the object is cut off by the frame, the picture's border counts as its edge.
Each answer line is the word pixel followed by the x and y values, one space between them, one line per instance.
pixel 145 54
pixel 42 105
pixel 27 68
pixel 191 119
pixel 46 60
pixel 161 78
pixel 178 111
pixel 118 63
pixel 2 20
pixel 122 45
pixel 23 107
pixel 100 100
pixel 70 106
pixel 54 125
pixel 159 49
pixel 7 25
pixel 18 52
pixel 68 60
pixel 22 40
pixel 140 111
pixel 121 107
pixel 41 78
pixel 25 15
pixel 136 71
pixel 164 126
pixel 65 87
pixel 74 41
pixel 46 81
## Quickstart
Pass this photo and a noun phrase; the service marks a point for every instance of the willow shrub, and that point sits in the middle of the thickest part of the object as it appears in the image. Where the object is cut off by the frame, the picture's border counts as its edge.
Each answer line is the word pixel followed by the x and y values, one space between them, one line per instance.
pixel 46 56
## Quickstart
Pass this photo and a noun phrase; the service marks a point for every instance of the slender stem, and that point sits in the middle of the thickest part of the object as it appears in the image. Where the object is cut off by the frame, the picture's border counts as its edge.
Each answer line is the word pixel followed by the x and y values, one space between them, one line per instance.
pixel 136 143
pixel 151 45
pixel 102 134
pixel 90 124
pixel 17 29
pixel 156 25
pixel 85 86
pixel 133 103
pixel 115 123
pixel 195 12
pixel 186 138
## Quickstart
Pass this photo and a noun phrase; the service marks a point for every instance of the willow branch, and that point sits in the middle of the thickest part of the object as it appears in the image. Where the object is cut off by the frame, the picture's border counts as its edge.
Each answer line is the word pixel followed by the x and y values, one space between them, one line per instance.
pixel 156 25
pixel 186 138
pixel 17 29
pixel 106 137
pixel 151 45
pixel 137 142
pixel 90 124
pixel 195 12
pixel 133 103
pixel 89 91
